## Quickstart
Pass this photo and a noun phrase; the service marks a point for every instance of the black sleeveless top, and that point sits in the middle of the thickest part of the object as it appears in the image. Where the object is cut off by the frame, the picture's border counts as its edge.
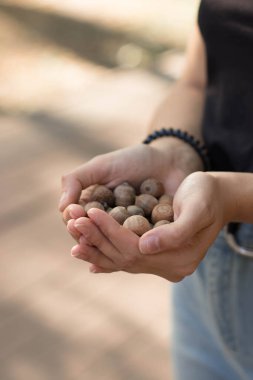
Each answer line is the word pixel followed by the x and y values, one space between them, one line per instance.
pixel 227 29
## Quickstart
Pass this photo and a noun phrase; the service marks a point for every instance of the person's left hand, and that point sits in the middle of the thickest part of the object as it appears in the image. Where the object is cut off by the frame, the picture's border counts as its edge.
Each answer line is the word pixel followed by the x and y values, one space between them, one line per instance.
pixel 171 251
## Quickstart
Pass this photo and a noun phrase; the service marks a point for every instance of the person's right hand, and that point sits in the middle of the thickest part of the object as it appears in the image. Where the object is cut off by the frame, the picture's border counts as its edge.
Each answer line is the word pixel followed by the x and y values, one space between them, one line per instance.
pixel 168 160
pixel 202 206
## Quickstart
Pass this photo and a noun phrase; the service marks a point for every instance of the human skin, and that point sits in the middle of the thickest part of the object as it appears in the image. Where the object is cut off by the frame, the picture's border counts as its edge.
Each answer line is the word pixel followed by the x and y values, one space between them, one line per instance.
pixel 133 164
pixel 182 108
pixel 171 158
pixel 203 202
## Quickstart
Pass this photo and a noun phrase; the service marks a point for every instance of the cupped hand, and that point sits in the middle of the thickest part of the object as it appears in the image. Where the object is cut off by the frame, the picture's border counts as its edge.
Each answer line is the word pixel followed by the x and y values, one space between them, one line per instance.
pixel 170 251
pixel 109 247
pixel 168 160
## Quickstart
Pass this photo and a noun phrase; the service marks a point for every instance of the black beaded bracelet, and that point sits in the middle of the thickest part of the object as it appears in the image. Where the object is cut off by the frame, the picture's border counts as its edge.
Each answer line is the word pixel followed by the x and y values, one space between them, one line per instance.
pixel 186 137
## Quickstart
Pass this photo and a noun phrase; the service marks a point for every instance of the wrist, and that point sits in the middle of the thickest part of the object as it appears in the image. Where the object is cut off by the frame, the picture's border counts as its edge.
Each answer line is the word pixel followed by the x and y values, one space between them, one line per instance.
pixel 228 193
pixel 185 137
pixel 178 154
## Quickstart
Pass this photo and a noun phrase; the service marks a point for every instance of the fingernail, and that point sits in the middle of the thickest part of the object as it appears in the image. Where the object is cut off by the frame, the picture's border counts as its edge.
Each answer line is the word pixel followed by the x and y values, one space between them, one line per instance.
pixel 93 270
pixel 75 251
pixel 70 225
pixel 78 225
pixel 149 245
pixel 72 214
pixel 91 211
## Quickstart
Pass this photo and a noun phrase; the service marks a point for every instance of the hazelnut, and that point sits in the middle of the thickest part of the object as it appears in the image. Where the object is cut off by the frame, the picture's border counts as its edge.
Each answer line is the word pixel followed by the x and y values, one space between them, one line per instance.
pixel 147 202
pixel 103 195
pixel 153 187
pixel 160 223
pixel 124 195
pixel 93 204
pixel 166 198
pixel 119 213
pixel 86 195
pixel 162 211
pixel 138 224
pixel 82 202
pixel 135 210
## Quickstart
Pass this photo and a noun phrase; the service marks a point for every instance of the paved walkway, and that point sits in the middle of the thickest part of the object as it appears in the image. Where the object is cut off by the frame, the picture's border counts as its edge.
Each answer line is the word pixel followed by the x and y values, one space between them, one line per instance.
pixel 59 108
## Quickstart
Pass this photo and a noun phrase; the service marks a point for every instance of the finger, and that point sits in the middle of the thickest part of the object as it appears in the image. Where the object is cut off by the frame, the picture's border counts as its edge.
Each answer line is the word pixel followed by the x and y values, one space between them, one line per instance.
pixel 72 230
pixel 174 235
pixel 123 239
pixel 85 175
pixel 71 191
pixel 72 211
pixel 92 255
pixel 97 269
pixel 95 237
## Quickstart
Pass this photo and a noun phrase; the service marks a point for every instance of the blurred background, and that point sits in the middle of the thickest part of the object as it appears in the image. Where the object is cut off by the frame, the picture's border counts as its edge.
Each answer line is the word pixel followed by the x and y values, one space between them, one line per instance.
pixel 77 78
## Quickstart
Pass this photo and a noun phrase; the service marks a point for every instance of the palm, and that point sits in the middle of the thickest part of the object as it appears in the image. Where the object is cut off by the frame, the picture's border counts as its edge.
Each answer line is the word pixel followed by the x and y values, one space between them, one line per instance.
pixel 138 163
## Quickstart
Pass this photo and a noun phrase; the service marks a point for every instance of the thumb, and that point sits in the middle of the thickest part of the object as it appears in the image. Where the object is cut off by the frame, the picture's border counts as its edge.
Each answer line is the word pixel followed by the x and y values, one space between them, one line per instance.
pixel 171 236
pixel 74 182
pixel 71 191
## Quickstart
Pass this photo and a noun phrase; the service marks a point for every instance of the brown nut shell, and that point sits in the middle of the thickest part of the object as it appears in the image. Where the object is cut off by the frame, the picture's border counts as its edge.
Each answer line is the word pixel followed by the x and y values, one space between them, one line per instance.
pixel 93 204
pixel 153 187
pixel 86 195
pixel 162 211
pixel 124 195
pixel 138 224
pixel 135 210
pixel 166 198
pixel 82 202
pixel 103 195
pixel 147 202
pixel 160 223
pixel 119 213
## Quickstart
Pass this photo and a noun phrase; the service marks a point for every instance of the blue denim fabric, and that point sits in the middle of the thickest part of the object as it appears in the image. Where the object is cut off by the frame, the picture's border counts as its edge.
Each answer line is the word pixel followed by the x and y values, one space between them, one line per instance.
pixel 212 336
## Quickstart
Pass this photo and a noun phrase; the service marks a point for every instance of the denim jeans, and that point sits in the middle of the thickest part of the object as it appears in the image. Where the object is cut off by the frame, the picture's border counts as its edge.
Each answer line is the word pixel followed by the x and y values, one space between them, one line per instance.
pixel 212 335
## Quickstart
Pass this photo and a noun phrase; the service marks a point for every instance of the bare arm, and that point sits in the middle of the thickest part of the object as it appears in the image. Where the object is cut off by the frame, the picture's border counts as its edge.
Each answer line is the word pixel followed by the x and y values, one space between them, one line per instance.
pixel 170 157
pixel 237 194
pixel 183 106
pixel 203 203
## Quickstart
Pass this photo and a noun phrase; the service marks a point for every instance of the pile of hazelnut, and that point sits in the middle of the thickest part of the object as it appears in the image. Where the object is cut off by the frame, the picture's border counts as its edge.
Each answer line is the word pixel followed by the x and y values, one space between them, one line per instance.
pixel 136 209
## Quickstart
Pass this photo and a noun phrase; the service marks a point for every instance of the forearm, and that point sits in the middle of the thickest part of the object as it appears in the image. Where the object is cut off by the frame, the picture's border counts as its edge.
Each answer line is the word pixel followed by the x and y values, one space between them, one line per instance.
pixel 182 108
pixel 237 192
